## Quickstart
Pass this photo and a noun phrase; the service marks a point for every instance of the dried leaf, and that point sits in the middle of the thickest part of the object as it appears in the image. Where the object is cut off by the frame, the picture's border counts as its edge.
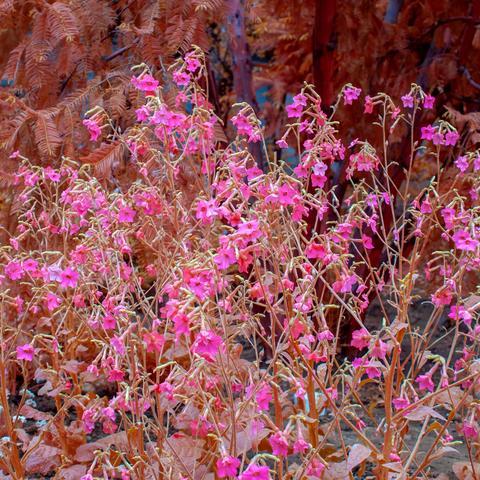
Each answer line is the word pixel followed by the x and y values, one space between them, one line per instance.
pixel 43 459
pixel 420 413
pixel 85 453
pixel 463 470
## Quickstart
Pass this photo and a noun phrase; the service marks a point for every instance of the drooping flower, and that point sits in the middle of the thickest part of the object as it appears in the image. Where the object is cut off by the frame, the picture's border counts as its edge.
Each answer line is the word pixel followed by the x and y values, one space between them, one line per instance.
pixel 400 403
pixel 462 163
pixel 425 382
pixel 279 444
pixel 428 101
pixel 427 132
pixel 255 472
pixel 146 83
pixel 14 270
pixel 154 340
pixel 407 101
pixel 379 349
pixel 52 301
pixel 470 430
pixel 227 466
pixel 350 94
pixel 459 312
pixel 368 105
pixel 93 129
pixel 25 352
pixel 451 138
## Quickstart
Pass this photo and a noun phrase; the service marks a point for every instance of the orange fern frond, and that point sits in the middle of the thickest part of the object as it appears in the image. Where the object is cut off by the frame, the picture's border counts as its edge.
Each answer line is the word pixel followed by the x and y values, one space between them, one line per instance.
pixel 105 157
pixel 46 135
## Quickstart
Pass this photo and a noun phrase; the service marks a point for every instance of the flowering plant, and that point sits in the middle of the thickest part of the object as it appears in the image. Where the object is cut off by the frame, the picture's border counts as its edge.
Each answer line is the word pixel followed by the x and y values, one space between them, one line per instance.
pixel 205 319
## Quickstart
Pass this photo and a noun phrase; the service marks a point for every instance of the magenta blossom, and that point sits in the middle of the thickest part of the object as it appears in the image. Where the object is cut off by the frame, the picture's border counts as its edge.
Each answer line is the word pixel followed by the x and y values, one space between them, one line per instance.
pixel 463 241
pixel 25 352
pixel 207 345
pixel 93 129
pixel 279 444
pixel 227 466
pixel 360 338
pixel 425 382
pixel 255 472
pixel 350 94
pixel 68 278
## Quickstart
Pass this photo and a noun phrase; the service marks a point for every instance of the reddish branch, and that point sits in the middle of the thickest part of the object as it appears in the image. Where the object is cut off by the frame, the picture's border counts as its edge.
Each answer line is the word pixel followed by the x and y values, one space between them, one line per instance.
pixel 324 49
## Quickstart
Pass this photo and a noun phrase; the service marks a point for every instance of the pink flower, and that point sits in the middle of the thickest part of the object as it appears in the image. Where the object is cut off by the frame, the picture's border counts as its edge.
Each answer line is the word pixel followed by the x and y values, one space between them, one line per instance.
pixel 282 143
pixel 425 382
pixel 360 338
pixel 462 163
pixel 154 340
pixel 207 345
pixel 457 312
pixel 427 132
pixel 300 445
pixel 52 174
pixel 438 138
pixel 206 211
pixel 350 94
pixel 126 214
pixel 254 472
pixel 315 468
pixel 316 250
pixel 242 124
pixel 93 129
pixel 368 105
pixel 225 257
pixel 142 113
pixel 88 420
pixel 463 241
pixel 400 403
pixel 191 62
pixel 279 444
pixel 115 375
pixel 451 138
pixel 407 101
pixel 25 352
pixel 87 476
pixel 263 396
pixel 14 270
pixel 470 430
pixel 428 101
pixel 145 83
pixel 181 78
pixel 52 301
pixel 68 278
pixel 227 466
pixel 379 349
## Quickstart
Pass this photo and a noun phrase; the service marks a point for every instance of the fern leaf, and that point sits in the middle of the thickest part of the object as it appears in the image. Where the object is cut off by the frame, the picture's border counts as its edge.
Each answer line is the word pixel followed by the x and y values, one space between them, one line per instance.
pixel 47 137
pixel 104 158
pixel 63 24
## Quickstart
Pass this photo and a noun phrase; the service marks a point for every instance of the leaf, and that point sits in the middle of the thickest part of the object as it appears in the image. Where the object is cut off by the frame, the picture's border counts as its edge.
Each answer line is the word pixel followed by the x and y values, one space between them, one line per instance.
pixel 420 413
pixel 43 459
pixel 358 454
pixel 72 473
pixel 86 453
pixel 104 158
pixel 463 470
pixel 30 412
pixel 62 22
pixel 442 451
pixel 46 135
